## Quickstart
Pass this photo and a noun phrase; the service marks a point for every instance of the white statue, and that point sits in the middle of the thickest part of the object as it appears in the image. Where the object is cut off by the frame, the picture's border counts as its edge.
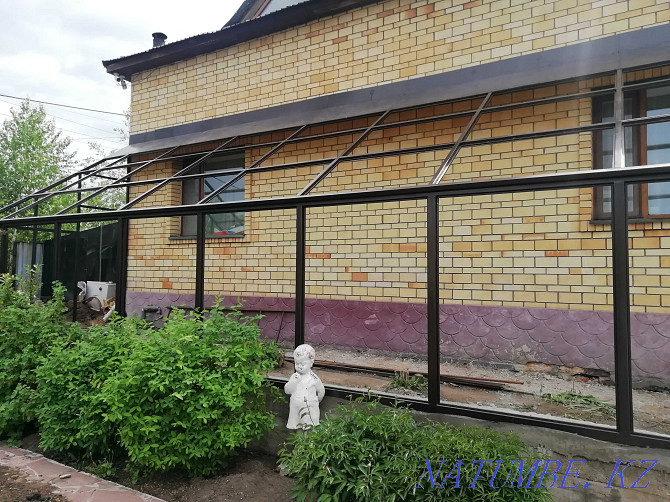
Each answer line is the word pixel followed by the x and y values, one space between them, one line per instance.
pixel 306 390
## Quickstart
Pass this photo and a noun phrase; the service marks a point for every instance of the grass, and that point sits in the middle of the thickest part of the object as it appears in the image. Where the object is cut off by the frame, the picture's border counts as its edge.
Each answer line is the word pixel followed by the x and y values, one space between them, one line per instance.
pixel 581 402
pixel 402 380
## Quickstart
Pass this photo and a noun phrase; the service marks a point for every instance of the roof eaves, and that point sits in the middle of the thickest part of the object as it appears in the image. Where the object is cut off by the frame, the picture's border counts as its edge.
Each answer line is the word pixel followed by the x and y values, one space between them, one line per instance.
pixel 230 35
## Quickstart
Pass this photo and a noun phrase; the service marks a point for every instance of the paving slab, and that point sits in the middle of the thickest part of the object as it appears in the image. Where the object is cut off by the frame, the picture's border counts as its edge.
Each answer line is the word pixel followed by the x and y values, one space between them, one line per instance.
pixel 76 486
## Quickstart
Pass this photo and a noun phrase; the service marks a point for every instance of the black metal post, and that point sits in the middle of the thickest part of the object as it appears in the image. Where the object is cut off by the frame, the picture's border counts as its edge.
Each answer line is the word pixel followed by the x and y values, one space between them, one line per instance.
pixel 200 263
pixel 75 288
pixel 300 238
pixel 122 266
pixel 57 251
pixel 4 251
pixel 33 249
pixel 75 299
pixel 622 350
pixel 433 298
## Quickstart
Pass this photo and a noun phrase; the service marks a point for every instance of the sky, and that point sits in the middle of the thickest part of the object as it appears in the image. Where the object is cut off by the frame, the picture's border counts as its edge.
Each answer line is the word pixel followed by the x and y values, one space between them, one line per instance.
pixel 51 50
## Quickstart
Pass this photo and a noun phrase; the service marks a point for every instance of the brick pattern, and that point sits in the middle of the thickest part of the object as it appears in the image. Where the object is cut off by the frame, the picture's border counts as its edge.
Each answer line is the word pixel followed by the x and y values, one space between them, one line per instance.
pixel 528 250
pixel 261 264
pixel 367 252
pixel 390 41
pixel 524 249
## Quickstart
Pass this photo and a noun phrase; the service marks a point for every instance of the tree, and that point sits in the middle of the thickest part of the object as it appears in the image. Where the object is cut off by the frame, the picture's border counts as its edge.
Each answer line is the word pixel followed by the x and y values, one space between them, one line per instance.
pixel 33 153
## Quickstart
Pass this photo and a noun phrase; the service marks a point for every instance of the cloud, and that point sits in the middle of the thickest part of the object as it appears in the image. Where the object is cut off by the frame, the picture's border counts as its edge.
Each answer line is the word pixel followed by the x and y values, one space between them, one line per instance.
pixel 52 50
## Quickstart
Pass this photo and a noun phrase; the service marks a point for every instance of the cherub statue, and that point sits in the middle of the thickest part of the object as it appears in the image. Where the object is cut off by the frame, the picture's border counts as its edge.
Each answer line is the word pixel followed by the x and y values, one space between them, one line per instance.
pixel 306 390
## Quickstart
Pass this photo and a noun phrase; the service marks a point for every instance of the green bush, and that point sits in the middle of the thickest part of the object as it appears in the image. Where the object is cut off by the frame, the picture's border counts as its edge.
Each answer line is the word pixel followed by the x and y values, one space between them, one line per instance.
pixel 71 398
pixel 370 453
pixel 184 396
pixel 28 330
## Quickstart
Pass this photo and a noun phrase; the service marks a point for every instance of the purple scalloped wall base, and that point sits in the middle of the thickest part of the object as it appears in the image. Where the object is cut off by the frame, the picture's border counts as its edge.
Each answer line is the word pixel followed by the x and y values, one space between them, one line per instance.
pixel 493 334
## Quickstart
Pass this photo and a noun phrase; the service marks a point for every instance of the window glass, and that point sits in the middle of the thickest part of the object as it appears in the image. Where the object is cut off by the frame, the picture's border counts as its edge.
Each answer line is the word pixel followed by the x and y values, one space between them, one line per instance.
pixel 605 109
pixel 275 5
pixel 194 190
pixel 658 148
pixel 190 195
pixel 224 223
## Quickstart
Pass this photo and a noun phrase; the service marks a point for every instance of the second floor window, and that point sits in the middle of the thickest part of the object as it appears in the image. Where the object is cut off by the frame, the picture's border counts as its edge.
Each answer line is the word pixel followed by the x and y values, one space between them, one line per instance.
pixel 195 189
pixel 270 6
pixel 644 145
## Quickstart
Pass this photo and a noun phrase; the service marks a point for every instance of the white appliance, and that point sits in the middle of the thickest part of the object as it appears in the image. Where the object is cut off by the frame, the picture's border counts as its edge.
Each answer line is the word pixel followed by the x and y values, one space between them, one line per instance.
pixel 101 290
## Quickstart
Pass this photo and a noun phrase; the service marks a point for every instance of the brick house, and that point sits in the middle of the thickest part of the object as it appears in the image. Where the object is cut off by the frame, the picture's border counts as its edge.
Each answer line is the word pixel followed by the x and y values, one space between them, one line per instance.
pixel 399 93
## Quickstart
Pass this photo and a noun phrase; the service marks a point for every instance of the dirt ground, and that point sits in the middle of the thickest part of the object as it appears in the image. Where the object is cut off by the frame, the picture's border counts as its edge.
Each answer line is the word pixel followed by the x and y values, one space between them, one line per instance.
pixel 86 316
pixel 250 478
pixel 652 409
pixel 14 488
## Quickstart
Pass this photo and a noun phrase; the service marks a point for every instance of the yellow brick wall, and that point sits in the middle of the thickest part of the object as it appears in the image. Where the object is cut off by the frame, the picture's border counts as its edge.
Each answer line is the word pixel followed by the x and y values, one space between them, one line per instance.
pixel 527 249
pixel 386 42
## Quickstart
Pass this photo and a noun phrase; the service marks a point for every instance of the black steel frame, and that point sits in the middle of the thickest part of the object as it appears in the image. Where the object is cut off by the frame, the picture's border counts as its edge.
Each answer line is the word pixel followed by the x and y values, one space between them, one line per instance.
pixel 431 193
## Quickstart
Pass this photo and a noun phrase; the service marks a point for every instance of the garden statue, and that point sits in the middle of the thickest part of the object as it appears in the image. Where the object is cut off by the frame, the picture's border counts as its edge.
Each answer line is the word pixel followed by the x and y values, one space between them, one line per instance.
pixel 306 390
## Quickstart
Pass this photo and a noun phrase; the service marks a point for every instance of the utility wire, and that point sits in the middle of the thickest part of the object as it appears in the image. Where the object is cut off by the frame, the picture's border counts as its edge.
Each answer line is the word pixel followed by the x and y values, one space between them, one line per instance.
pixel 64 106
pixel 67 120
pixel 88 136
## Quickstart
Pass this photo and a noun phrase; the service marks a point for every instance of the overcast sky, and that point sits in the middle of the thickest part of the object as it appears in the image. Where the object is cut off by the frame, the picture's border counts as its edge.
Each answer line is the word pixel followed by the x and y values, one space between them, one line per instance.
pixel 51 50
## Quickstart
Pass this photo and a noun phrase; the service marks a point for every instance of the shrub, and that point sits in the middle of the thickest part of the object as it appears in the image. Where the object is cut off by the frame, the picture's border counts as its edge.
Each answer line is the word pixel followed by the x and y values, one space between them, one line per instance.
pixel 191 393
pixel 184 396
pixel 28 330
pixel 71 399
pixel 371 453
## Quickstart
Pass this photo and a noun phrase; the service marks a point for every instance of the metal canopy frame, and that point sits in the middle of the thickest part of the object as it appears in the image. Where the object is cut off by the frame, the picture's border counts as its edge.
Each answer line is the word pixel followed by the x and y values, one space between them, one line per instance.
pixel 432 193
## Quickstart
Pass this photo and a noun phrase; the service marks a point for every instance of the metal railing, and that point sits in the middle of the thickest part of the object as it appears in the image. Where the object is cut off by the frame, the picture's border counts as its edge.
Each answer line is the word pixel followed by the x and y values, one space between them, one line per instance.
pixel 431 194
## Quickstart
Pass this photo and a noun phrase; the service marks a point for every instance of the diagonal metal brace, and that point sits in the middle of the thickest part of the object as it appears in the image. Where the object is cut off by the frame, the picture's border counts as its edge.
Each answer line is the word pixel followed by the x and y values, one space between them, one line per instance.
pixel 320 177
pixel 118 181
pixel 235 178
pixel 453 153
pixel 175 176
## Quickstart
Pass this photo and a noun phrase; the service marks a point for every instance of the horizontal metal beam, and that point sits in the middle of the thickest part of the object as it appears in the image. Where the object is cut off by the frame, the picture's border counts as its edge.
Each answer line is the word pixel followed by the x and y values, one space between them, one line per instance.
pixel 322 175
pixel 654 119
pixel 549 100
pixel 599 432
pixel 185 170
pixel 539 134
pixel 564 180
pixel 649 84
